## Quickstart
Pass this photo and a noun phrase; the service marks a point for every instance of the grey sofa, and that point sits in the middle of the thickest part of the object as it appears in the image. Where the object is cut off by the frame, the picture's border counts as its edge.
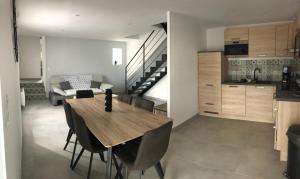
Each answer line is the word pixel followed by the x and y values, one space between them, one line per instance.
pixel 78 82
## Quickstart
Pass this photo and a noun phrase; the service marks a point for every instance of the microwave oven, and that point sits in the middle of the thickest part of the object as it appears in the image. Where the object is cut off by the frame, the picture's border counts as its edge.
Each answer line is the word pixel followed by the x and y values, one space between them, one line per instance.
pixel 236 48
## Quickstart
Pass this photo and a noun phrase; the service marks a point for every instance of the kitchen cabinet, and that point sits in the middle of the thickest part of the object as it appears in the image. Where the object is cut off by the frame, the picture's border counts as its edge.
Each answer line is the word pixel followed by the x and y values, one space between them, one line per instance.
pixel 262 41
pixel 236 34
pixel 298 20
pixel 287 115
pixel 282 40
pixel 212 70
pixel 291 40
pixel 233 100
pixel 259 103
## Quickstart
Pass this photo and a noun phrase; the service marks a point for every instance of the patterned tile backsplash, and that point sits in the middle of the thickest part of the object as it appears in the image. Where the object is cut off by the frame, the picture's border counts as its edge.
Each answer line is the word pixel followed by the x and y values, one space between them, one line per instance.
pixel 271 69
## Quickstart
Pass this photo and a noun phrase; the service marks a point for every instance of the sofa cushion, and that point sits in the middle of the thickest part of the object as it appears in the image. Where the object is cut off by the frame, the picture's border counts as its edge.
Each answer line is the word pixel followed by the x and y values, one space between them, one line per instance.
pixel 95 84
pixel 97 90
pixel 65 85
pixel 58 91
pixel 79 81
pixel 105 86
pixel 70 92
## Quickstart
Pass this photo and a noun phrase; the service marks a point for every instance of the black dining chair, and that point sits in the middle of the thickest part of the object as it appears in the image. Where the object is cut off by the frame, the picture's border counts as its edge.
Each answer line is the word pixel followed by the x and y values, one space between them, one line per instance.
pixel 67 108
pixel 125 98
pixel 144 103
pixel 84 94
pixel 145 152
pixel 87 140
pixel 69 119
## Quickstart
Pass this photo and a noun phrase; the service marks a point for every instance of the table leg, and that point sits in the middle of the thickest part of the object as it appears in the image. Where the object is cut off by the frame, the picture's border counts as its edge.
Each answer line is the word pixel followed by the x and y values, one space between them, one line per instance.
pixel 108 164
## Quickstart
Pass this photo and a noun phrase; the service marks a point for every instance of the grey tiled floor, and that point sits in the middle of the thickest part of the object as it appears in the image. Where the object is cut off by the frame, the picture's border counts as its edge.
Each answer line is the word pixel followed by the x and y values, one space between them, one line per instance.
pixel 203 148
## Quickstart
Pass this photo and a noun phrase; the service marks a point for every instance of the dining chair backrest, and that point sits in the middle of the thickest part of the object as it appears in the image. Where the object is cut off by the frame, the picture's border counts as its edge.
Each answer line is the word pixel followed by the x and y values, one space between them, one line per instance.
pixel 153 146
pixel 68 113
pixel 84 94
pixel 125 98
pixel 82 132
pixel 144 103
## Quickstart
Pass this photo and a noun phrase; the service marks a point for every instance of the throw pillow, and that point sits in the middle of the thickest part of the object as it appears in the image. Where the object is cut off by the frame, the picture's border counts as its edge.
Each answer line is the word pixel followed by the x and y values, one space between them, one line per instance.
pixel 65 85
pixel 95 84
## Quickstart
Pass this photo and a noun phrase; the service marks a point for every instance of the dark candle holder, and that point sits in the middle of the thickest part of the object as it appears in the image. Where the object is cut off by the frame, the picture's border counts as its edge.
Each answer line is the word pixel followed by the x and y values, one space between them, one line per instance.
pixel 108 100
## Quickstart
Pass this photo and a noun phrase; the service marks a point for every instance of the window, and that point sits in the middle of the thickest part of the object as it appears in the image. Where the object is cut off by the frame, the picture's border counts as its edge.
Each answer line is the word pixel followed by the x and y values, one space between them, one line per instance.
pixel 117 56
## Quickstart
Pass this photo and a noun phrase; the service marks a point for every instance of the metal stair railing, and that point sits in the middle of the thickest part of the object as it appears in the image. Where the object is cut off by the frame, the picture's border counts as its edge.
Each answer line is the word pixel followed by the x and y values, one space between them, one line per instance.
pixel 144 57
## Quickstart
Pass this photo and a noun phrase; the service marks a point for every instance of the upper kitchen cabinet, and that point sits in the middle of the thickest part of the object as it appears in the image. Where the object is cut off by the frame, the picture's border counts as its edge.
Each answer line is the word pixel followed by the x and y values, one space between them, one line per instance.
pixel 236 34
pixel 262 41
pixel 291 40
pixel 282 40
pixel 298 19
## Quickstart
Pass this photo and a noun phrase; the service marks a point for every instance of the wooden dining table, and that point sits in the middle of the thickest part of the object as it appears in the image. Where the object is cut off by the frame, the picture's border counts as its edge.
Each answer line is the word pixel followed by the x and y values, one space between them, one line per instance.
pixel 123 124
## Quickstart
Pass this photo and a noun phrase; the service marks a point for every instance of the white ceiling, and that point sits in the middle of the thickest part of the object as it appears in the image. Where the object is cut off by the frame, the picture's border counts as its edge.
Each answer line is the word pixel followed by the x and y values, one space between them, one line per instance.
pixel 116 19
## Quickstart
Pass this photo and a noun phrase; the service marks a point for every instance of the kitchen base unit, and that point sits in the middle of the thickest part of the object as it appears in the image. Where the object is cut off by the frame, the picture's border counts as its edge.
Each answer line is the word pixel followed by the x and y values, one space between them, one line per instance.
pixel 288 113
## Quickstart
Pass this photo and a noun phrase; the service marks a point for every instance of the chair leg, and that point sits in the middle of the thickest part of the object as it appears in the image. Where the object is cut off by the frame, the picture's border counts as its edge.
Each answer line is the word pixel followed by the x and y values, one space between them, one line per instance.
pixel 90 166
pixel 70 133
pixel 118 168
pixel 159 170
pixel 76 161
pixel 73 155
pixel 102 157
pixel 126 173
pixel 141 173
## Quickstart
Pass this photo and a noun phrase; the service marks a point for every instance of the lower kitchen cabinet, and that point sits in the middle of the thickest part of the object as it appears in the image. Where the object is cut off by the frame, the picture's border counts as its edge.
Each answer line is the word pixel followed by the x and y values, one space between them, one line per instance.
pixel 259 103
pixel 233 101
pixel 287 114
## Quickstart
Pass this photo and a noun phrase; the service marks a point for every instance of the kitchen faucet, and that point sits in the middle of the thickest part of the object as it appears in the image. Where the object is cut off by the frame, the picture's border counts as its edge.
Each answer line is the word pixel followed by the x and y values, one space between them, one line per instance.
pixel 254 74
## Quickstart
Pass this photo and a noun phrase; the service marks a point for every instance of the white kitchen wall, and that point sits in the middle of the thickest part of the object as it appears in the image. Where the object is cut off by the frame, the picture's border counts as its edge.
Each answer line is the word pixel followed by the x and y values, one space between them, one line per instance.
pixel 215 39
pixel 67 56
pixel 185 38
pixel 30 57
pixel 10 95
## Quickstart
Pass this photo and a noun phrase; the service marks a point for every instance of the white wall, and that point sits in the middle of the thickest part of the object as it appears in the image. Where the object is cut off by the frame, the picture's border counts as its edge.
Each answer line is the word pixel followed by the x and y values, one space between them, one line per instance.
pixel 159 90
pixel 44 58
pixel 215 39
pixel 83 56
pixel 10 95
pixel 185 38
pixel 132 45
pixel 30 57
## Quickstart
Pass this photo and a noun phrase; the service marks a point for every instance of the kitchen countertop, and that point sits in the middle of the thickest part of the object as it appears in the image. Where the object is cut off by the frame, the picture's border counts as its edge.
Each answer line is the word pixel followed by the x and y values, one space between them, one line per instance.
pixel 292 94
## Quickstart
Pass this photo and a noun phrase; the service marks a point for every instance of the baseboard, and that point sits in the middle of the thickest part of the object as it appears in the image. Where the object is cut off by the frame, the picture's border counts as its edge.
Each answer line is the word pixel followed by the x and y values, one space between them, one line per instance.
pixel 185 122
pixel 153 98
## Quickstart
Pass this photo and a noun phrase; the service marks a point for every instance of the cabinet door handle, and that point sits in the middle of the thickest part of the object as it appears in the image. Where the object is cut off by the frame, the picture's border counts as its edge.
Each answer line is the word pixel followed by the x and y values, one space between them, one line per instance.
pixel 235 39
pixel 260 87
pixel 209 85
pixel 211 104
pixel 233 86
pixel 261 55
pixel 210 112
